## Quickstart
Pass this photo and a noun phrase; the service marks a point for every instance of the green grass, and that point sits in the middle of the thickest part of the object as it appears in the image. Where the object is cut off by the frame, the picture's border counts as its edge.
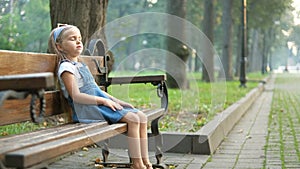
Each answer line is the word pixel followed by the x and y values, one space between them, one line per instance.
pixel 283 122
pixel 18 128
pixel 188 109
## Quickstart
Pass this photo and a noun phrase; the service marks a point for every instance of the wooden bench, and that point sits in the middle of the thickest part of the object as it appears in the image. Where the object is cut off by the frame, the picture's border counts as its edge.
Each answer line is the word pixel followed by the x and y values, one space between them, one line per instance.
pixel 27 84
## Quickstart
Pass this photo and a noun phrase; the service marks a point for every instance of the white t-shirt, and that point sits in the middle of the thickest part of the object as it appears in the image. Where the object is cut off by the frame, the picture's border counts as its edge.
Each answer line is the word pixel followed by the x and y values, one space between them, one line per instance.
pixel 71 67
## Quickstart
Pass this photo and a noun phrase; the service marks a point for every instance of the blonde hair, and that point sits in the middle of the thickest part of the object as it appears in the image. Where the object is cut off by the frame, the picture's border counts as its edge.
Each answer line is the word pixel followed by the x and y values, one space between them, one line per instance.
pixel 52 44
pixel 52 48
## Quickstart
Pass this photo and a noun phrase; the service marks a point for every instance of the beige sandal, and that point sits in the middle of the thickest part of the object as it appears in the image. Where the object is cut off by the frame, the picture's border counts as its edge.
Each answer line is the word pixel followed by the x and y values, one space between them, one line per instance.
pixel 149 166
pixel 131 167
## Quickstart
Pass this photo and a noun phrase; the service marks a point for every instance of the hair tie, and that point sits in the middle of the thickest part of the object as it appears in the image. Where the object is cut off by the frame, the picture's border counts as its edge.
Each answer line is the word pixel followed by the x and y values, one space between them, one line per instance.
pixel 57 32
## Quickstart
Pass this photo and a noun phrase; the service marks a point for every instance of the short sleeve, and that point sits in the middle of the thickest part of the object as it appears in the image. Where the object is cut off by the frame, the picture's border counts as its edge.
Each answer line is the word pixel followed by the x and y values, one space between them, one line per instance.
pixel 66 67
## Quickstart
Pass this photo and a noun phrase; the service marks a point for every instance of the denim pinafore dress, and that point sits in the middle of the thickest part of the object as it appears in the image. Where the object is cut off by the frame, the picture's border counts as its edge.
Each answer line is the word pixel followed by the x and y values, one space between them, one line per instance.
pixel 85 113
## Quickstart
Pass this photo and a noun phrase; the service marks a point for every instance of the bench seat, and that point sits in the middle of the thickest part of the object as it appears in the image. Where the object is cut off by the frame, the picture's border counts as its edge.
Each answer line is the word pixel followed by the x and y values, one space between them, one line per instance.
pixel 25 150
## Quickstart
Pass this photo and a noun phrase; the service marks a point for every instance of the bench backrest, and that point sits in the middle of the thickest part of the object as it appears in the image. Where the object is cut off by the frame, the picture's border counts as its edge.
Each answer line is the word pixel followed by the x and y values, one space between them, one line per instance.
pixel 13 63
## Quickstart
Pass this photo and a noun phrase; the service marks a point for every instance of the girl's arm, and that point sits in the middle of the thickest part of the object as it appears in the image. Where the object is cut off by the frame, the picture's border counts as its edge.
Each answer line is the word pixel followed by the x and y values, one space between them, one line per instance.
pixel 83 98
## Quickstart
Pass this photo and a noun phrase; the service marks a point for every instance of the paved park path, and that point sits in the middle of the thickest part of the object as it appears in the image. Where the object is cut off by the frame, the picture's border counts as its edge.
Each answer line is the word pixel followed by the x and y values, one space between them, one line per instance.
pixel 266 137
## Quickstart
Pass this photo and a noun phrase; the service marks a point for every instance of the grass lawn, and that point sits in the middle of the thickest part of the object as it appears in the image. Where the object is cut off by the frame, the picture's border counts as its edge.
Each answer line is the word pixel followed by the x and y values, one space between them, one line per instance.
pixel 192 108
pixel 188 110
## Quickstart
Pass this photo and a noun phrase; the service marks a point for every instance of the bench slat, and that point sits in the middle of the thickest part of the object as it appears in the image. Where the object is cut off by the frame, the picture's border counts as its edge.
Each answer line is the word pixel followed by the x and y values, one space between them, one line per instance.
pixel 12 143
pixel 42 136
pixel 155 113
pixel 33 155
pixel 45 145
pixel 13 62
pixel 32 81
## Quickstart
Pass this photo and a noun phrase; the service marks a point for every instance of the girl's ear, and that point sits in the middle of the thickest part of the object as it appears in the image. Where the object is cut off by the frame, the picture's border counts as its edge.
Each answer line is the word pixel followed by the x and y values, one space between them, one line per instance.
pixel 59 47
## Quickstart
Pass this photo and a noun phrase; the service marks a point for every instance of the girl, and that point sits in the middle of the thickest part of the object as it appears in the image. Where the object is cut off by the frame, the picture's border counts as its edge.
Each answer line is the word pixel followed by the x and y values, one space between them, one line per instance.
pixel 88 102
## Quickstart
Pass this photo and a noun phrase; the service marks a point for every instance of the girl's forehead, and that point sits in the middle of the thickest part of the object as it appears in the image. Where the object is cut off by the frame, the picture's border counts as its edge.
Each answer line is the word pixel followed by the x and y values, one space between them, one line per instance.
pixel 72 31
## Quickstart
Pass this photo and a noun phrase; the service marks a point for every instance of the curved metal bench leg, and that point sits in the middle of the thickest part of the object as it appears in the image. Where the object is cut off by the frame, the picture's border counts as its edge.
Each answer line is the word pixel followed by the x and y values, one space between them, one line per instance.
pixel 39 95
pixel 11 94
pixel 105 151
pixel 158 144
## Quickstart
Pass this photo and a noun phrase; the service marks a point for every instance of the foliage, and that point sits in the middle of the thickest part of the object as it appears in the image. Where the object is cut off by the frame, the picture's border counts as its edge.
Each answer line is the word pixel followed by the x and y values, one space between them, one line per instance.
pixel 9 31
pixel 25 25
pixel 129 45
pixel 38 29
pixel 266 13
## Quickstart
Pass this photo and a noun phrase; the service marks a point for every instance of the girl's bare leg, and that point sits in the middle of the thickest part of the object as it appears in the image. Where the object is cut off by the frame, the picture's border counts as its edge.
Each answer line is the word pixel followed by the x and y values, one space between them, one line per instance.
pixel 133 133
pixel 144 139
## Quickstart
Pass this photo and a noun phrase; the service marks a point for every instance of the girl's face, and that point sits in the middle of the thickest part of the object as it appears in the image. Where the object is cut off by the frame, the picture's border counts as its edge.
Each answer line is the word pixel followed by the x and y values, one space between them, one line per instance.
pixel 71 43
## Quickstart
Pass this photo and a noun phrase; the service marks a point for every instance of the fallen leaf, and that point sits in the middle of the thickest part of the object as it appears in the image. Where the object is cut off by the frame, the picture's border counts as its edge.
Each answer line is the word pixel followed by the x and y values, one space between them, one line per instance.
pixel 85 149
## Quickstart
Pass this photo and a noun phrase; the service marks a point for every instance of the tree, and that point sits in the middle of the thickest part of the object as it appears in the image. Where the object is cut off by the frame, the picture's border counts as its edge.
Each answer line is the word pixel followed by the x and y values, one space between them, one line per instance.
pixel 265 22
pixel 176 67
pixel 195 10
pixel 88 16
pixel 9 27
pixel 227 38
pixel 208 29
pixel 21 24
pixel 36 19
pixel 295 37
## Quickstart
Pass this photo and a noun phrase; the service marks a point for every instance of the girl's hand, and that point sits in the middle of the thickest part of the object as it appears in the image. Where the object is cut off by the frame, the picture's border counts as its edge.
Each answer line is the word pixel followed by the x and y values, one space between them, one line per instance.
pixel 113 105
pixel 125 104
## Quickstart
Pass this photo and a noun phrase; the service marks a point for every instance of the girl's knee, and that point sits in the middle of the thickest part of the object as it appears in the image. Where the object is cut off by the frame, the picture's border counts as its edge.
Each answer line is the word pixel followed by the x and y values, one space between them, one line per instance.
pixel 132 118
pixel 142 117
pixel 138 117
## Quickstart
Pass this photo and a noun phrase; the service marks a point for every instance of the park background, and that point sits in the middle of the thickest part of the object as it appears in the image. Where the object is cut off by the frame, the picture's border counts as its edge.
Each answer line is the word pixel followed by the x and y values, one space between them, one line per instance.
pixel 272 42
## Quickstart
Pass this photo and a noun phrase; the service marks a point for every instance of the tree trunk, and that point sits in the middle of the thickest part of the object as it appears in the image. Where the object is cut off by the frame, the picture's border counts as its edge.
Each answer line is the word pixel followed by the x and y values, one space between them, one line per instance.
pixel 88 16
pixel 208 30
pixel 268 39
pixel 227 38
pixel 176 66
pixel 238 51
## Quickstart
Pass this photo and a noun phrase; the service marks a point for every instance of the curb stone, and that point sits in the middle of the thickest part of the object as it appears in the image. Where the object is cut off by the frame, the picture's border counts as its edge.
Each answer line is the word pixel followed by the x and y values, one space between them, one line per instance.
pixel 209 137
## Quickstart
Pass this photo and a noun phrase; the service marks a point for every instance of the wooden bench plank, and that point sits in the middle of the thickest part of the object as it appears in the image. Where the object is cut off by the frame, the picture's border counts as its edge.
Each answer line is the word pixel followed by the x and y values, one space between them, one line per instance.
pixel 12 143
pixel 35 154
pixel 13 62
pixel 38 137
pixel 155 113
pixel 65 141
pixel 32 81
